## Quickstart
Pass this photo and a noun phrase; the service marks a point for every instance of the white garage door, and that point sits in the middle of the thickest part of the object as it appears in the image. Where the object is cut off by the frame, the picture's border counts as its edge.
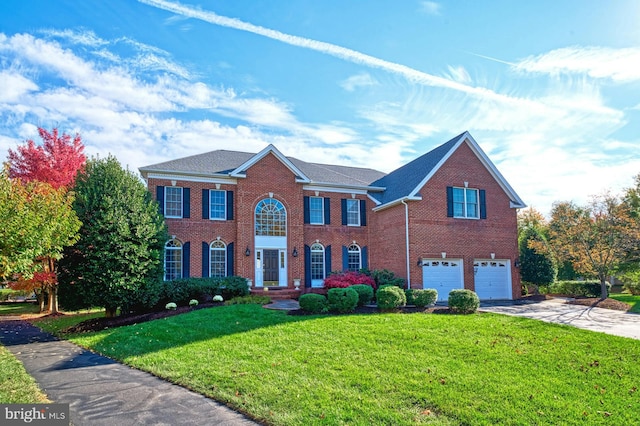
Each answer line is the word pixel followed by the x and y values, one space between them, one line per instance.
pixel 442 274
pixel 492 279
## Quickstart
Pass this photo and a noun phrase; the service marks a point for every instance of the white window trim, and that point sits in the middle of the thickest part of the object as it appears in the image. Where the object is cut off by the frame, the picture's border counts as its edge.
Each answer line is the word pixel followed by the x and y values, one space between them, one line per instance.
pixel 321 209
pixel 222 249
pixel 349 252
pixel 224 216
pixel 324 273
pixel 464 206
pixel 181 202
pixel 177 247
pixel 359 215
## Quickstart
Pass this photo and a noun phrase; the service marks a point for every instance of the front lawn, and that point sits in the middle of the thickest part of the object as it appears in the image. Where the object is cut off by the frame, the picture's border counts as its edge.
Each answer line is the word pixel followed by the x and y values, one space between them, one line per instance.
pixel 480 369
pixel 16 386
pixel 632 300
pixel 18 308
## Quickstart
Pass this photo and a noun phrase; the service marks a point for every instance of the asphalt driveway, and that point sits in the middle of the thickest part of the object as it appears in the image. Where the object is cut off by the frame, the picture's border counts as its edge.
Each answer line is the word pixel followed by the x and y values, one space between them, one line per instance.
pixel 557 311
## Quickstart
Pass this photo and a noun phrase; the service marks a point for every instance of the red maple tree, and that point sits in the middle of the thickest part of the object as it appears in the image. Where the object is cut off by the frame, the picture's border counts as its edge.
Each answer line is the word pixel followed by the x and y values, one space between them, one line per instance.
pixel 56 162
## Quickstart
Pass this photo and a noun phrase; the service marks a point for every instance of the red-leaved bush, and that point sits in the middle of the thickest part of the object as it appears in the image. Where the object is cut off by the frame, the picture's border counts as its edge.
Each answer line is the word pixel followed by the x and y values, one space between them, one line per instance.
pixel 347 279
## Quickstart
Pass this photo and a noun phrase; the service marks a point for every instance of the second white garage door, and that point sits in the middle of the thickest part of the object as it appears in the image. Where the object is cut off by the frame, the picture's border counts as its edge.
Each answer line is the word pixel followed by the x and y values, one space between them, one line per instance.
pixel 492 279
pixel 442 274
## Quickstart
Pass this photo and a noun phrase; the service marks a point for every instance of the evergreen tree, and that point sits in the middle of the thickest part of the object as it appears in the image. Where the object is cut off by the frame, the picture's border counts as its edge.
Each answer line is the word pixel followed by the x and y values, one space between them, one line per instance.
pixel 537 265
pixel 117 263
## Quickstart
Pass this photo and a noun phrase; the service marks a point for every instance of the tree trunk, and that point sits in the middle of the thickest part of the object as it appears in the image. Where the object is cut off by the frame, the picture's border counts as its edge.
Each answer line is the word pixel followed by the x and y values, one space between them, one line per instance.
pixel 603 287
pixel 53 299
pixel 110 312
pixel 40 298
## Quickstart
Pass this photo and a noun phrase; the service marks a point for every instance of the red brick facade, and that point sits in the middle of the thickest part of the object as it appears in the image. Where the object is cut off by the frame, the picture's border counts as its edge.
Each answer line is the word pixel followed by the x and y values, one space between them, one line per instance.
pixel 383 239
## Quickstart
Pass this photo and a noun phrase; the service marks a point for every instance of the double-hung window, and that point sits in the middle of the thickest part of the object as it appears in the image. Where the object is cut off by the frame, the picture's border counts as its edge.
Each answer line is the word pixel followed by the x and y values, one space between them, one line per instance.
pixel 466 203
pixel 354 260
pixel 217 204
pixel 316 210
pixel 353 212
pixel 173 201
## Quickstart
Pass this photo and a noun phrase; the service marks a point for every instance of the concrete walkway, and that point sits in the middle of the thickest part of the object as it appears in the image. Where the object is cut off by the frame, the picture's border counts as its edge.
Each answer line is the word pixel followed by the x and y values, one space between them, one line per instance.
pixel 100 391
pixel 557 311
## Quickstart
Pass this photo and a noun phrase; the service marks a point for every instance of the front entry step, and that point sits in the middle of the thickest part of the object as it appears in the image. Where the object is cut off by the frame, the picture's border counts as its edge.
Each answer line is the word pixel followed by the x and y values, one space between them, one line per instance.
pixel 277 293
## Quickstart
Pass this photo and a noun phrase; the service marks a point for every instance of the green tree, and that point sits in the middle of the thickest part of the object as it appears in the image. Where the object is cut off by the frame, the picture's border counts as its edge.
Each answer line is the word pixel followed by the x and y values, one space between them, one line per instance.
pixel 537 265
pixel 596 238
pixel 37 223
pixel 117 262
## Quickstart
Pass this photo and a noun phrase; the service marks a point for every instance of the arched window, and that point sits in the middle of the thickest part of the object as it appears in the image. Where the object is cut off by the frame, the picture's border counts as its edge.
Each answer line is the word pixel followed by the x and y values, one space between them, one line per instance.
pixel 355 258
pixel 317 265
pixel 172 260
pixel 218 259
pixel 271 218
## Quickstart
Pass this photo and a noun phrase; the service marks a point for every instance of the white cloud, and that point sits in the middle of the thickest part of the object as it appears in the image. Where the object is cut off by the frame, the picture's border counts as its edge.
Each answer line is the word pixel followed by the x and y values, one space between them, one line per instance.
pixel 13 85
pixel 459 74
pixel 431 7
pixel 86 37
pixel 359 80
pixel 618 65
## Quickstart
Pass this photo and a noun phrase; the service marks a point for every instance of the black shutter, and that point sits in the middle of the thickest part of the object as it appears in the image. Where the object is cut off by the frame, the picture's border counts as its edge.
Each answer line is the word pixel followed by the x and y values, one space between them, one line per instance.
pixel 327 210
pixel 229 205
pixel 206 251
pixel 160 198
pixel 306 208
pixel 364 255
pixel 343 206
pixel 186 260
pixel 230 258
pixel 345 258
pixel 483 204
pixel 205 204
pixel 327 261
pixel 307 266
pixel 186 203
pixel 363 212
pixel 449 201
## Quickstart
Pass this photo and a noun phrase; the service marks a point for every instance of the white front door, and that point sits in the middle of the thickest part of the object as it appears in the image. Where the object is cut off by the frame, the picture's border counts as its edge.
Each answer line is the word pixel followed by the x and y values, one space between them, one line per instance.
pixel 492 279
pixel 442 274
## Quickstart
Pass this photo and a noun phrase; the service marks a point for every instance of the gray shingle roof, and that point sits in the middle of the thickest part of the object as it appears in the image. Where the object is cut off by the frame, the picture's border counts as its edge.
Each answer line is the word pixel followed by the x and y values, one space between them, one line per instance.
pixel 223 162
pixel 401 182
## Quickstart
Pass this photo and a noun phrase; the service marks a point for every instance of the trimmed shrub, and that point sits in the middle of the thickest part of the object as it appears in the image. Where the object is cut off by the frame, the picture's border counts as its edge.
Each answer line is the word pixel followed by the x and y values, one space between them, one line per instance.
pixel 633 288
pixel 313 303
pixel 385 277
pixel 463 301
pixel 409 295
pixel 390 297
pixel 365 293
pixel 425 297
pixel 578 288
pixel 202 289
pixel 347 279
pixel 234 286
pixel 342 299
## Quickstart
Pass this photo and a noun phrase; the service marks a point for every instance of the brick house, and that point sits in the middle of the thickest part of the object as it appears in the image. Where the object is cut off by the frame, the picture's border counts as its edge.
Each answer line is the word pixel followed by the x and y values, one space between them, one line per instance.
pixel 445 220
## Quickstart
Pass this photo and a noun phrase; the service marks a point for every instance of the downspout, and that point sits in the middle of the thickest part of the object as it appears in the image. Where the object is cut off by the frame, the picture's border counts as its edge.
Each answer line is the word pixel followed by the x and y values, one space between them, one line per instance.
pixel 406 230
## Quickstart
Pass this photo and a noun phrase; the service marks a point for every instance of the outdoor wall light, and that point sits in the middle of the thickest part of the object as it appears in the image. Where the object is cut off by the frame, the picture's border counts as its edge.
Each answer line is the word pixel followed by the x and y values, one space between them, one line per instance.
pixel 247 252
pixel 419 261
pixel 295 252
pixel 517 263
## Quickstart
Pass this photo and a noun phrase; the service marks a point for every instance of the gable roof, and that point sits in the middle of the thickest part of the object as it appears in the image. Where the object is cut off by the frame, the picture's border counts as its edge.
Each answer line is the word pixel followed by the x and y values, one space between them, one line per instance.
pixel 405 182
pixel 223 163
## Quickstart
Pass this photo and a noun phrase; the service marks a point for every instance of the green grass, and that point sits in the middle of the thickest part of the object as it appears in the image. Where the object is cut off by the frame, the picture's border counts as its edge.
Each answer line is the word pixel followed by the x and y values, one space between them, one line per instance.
pixel 18 308
pixel 397 369
pixel 57 324
pixel 632 300
pixel 16 386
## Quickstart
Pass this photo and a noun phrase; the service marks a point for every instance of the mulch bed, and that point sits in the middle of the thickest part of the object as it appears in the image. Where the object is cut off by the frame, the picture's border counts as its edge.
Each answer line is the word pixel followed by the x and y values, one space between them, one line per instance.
pixel 600 303
pixel 374 310
pixel 97 324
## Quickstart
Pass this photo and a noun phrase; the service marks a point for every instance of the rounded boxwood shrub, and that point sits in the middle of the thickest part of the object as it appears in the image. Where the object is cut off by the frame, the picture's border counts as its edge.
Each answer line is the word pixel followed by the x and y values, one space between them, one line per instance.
pixel 463 301
pixel 313 303
pixel 409 295
pixel 365 293
pixel 426 297
pixel 390 297
pixel 342 299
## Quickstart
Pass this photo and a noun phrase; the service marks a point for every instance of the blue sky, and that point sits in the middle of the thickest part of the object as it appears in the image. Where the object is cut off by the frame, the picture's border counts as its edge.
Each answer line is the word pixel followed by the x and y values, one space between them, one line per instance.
pixel 550 90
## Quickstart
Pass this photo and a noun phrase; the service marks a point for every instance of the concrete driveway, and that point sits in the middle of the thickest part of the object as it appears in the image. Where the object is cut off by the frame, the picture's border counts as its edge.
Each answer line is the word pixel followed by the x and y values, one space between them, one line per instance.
pixel 607 321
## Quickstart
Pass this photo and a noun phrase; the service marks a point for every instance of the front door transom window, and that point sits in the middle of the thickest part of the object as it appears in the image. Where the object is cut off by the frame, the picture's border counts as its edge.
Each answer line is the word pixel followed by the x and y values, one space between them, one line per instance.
pixel 271 218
